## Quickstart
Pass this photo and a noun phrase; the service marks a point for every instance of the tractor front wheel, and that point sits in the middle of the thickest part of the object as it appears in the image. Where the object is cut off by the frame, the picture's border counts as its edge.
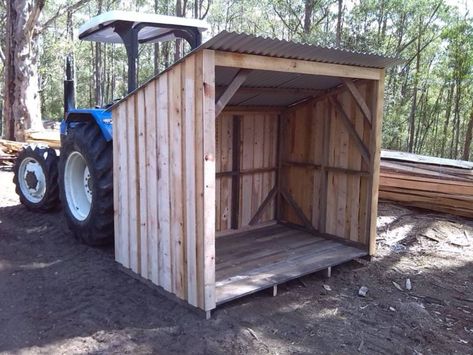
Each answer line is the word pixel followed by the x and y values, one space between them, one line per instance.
pixel 35 177
pixel 86 184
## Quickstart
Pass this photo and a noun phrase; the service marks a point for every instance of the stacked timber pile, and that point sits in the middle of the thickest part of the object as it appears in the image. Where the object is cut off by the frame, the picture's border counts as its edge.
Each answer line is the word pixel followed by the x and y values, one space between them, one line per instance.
pixel 437 184
pixel 46 137
pixel 8 151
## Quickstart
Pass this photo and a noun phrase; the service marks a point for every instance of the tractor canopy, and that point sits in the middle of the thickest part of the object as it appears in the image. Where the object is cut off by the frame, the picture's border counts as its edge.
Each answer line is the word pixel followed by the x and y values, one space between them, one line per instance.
pixel 151 28
pixel 134 28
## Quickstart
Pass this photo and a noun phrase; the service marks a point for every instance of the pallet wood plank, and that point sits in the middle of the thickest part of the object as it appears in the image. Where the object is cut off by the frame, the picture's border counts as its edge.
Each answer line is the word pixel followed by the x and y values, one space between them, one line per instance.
pixel 227 162
pixel 176 182
pixel 323 190
pixel 351 130
pixel 199 179
pixel 164 225
pixel 152 182
pixel 133 185
pixel 247 158
pixel 208 136
pixel 143 193
pixel 343 142
pixel 121 173
pixel 189 181
pixel 293 254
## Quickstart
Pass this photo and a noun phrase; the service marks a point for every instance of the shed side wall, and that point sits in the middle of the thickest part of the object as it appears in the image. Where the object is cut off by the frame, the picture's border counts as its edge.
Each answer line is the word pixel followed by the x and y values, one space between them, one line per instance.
pixel 164 174
pixel 323 169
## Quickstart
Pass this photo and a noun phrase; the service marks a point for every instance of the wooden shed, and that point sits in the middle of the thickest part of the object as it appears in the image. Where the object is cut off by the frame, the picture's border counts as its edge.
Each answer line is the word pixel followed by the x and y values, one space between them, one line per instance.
pixel 249 162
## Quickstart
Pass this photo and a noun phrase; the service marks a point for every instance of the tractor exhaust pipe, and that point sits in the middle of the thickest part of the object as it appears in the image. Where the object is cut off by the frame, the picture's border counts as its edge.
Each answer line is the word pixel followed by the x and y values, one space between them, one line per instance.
pixel 69 87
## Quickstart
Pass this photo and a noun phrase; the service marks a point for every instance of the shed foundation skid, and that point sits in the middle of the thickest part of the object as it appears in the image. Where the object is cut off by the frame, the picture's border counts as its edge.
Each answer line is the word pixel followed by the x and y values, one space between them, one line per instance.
pixel 235 172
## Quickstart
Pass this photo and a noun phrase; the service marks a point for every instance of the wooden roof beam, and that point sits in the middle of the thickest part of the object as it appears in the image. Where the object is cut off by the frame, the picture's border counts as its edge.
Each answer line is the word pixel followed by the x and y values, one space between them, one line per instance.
pixel 231 89
pixel 275 91
pixel 259 62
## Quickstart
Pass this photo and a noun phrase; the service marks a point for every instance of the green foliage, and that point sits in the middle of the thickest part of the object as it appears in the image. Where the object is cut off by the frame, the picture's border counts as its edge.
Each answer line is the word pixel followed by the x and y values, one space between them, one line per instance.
pixel 427 103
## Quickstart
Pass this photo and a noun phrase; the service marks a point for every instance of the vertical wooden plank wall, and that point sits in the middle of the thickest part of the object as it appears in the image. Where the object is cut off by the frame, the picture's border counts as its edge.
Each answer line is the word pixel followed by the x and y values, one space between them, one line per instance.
pixel 335 187
pixel 258 142
pixel 164 178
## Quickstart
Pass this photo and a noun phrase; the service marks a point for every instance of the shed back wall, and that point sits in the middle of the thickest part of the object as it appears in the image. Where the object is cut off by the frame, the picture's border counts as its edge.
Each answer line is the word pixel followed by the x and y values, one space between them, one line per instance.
pixel 258 148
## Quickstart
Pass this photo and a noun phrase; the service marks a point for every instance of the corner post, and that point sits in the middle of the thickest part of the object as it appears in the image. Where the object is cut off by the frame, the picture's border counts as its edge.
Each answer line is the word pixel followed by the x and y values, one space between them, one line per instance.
pixel 375 153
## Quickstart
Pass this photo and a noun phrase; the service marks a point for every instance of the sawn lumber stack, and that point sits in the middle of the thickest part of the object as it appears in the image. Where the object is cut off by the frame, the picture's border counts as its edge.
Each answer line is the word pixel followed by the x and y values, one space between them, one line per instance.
pixel 437 184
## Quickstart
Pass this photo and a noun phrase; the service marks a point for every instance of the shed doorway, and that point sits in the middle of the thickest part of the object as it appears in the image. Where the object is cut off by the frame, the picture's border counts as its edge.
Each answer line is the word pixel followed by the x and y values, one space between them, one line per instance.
pixel 291 182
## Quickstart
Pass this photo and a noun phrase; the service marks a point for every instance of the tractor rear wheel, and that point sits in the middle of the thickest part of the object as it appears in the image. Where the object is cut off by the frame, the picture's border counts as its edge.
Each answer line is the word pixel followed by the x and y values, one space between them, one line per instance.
pixel 35 178
pixel 86 184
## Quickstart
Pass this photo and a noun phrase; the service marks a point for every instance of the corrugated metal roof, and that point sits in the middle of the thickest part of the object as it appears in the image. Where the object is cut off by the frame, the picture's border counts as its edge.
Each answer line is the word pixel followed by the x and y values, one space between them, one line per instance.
pixel 267 79
pixel 278 88
pixel 248 44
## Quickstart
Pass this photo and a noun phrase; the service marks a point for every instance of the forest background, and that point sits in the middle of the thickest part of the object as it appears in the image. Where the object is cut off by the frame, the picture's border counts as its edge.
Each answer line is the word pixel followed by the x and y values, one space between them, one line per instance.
pixel 428 98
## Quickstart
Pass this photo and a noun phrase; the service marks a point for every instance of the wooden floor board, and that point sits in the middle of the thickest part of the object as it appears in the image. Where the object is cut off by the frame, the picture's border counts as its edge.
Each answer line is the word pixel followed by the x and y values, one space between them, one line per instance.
pixel 233 244
pixel 249 262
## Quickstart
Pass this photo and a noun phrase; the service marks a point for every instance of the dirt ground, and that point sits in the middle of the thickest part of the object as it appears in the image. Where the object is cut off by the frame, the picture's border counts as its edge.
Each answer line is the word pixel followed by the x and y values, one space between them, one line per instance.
pixel 59 296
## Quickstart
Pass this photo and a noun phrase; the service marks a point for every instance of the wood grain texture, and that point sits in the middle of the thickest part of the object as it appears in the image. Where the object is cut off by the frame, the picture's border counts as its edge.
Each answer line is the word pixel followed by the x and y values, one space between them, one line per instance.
pixel 208 140
pixel 258 259
pixel 315 164
pixel 165 181
pixel 151 183
pixel 133 208
pixel 250 61
pixel 143 191
pixel 375 152
pixel 255 166
pixel 325 171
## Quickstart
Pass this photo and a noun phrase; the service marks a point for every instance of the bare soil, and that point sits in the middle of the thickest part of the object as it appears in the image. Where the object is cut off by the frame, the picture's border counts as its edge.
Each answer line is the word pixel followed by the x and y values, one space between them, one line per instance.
pixel 58 296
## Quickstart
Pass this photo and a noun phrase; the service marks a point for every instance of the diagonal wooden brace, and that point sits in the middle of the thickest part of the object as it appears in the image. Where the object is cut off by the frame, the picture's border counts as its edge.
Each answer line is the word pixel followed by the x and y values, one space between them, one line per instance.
pixel 351 129
pixel 289 199
pixel 360 101
pixel 231 89
pixel 263 206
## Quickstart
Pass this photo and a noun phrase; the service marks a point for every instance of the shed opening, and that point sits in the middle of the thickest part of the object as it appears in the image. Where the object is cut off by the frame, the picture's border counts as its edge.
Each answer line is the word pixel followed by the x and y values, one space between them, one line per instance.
pixel 292 176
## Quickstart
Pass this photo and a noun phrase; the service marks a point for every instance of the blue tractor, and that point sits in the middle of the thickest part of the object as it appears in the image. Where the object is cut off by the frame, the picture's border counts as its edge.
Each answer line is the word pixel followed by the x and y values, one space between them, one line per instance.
pixel 80 177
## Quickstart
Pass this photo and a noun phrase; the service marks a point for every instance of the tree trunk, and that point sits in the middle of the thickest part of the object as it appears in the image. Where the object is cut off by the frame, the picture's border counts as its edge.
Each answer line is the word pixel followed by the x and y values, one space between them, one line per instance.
pixel 468 138
pixel 22 101
pixel 339 23
pixel 308 9
pixel 412 115
pixel 447 119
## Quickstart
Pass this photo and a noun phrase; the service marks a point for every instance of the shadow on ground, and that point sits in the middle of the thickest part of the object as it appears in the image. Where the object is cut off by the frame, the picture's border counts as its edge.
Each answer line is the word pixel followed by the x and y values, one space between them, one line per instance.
pixel 59 296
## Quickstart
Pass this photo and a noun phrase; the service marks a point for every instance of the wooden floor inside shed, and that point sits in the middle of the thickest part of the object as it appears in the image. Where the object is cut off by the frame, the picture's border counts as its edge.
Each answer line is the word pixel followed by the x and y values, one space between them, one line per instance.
pixel 247 262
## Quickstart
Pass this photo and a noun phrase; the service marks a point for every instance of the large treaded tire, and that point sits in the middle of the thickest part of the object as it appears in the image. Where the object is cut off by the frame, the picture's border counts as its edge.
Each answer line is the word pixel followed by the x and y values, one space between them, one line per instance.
pixel 97 227
pixel 48 161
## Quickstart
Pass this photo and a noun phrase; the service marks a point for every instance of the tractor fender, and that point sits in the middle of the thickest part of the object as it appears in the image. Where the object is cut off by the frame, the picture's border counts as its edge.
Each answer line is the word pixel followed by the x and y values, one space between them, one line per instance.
pixel 101 117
